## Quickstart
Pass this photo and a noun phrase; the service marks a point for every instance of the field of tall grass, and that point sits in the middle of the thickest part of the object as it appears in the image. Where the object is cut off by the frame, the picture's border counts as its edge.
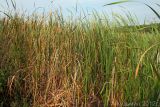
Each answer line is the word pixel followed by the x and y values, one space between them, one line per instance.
pixel 89 63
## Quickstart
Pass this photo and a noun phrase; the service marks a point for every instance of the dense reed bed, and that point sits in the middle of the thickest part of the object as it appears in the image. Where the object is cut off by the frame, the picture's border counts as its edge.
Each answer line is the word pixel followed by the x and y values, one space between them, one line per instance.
pixel 53 63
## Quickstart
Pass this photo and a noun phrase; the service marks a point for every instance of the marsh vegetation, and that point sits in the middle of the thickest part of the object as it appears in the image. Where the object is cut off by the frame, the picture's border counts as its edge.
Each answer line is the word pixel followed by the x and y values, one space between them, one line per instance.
pixel 82 63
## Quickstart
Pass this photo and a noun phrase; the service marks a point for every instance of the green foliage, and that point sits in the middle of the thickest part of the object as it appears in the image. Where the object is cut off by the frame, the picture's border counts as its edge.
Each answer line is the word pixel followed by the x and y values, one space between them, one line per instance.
pixel 51 62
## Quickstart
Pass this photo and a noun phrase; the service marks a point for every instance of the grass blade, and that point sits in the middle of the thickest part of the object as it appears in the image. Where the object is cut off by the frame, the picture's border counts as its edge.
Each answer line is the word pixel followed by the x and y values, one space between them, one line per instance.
pixel 118 2
pixel 141 58
pixel 157 14
pixel 6 14
pixel 7 3
pixel 13 4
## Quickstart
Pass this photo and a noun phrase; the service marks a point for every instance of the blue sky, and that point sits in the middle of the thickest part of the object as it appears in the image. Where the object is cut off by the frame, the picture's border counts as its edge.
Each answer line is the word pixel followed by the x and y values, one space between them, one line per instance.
pixel 138 9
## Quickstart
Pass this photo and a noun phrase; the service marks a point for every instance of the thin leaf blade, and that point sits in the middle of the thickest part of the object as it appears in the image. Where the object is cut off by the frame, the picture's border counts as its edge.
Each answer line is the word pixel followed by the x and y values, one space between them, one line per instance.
pixel 118 2
pixel 156 13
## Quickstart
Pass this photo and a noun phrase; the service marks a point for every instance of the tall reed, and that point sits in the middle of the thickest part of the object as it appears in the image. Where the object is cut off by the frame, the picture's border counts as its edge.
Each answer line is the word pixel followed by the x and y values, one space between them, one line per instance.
pixel 50 62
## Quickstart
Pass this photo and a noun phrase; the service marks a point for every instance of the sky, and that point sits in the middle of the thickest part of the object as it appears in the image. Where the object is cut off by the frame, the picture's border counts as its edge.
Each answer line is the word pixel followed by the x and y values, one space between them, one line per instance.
pixel 139 10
